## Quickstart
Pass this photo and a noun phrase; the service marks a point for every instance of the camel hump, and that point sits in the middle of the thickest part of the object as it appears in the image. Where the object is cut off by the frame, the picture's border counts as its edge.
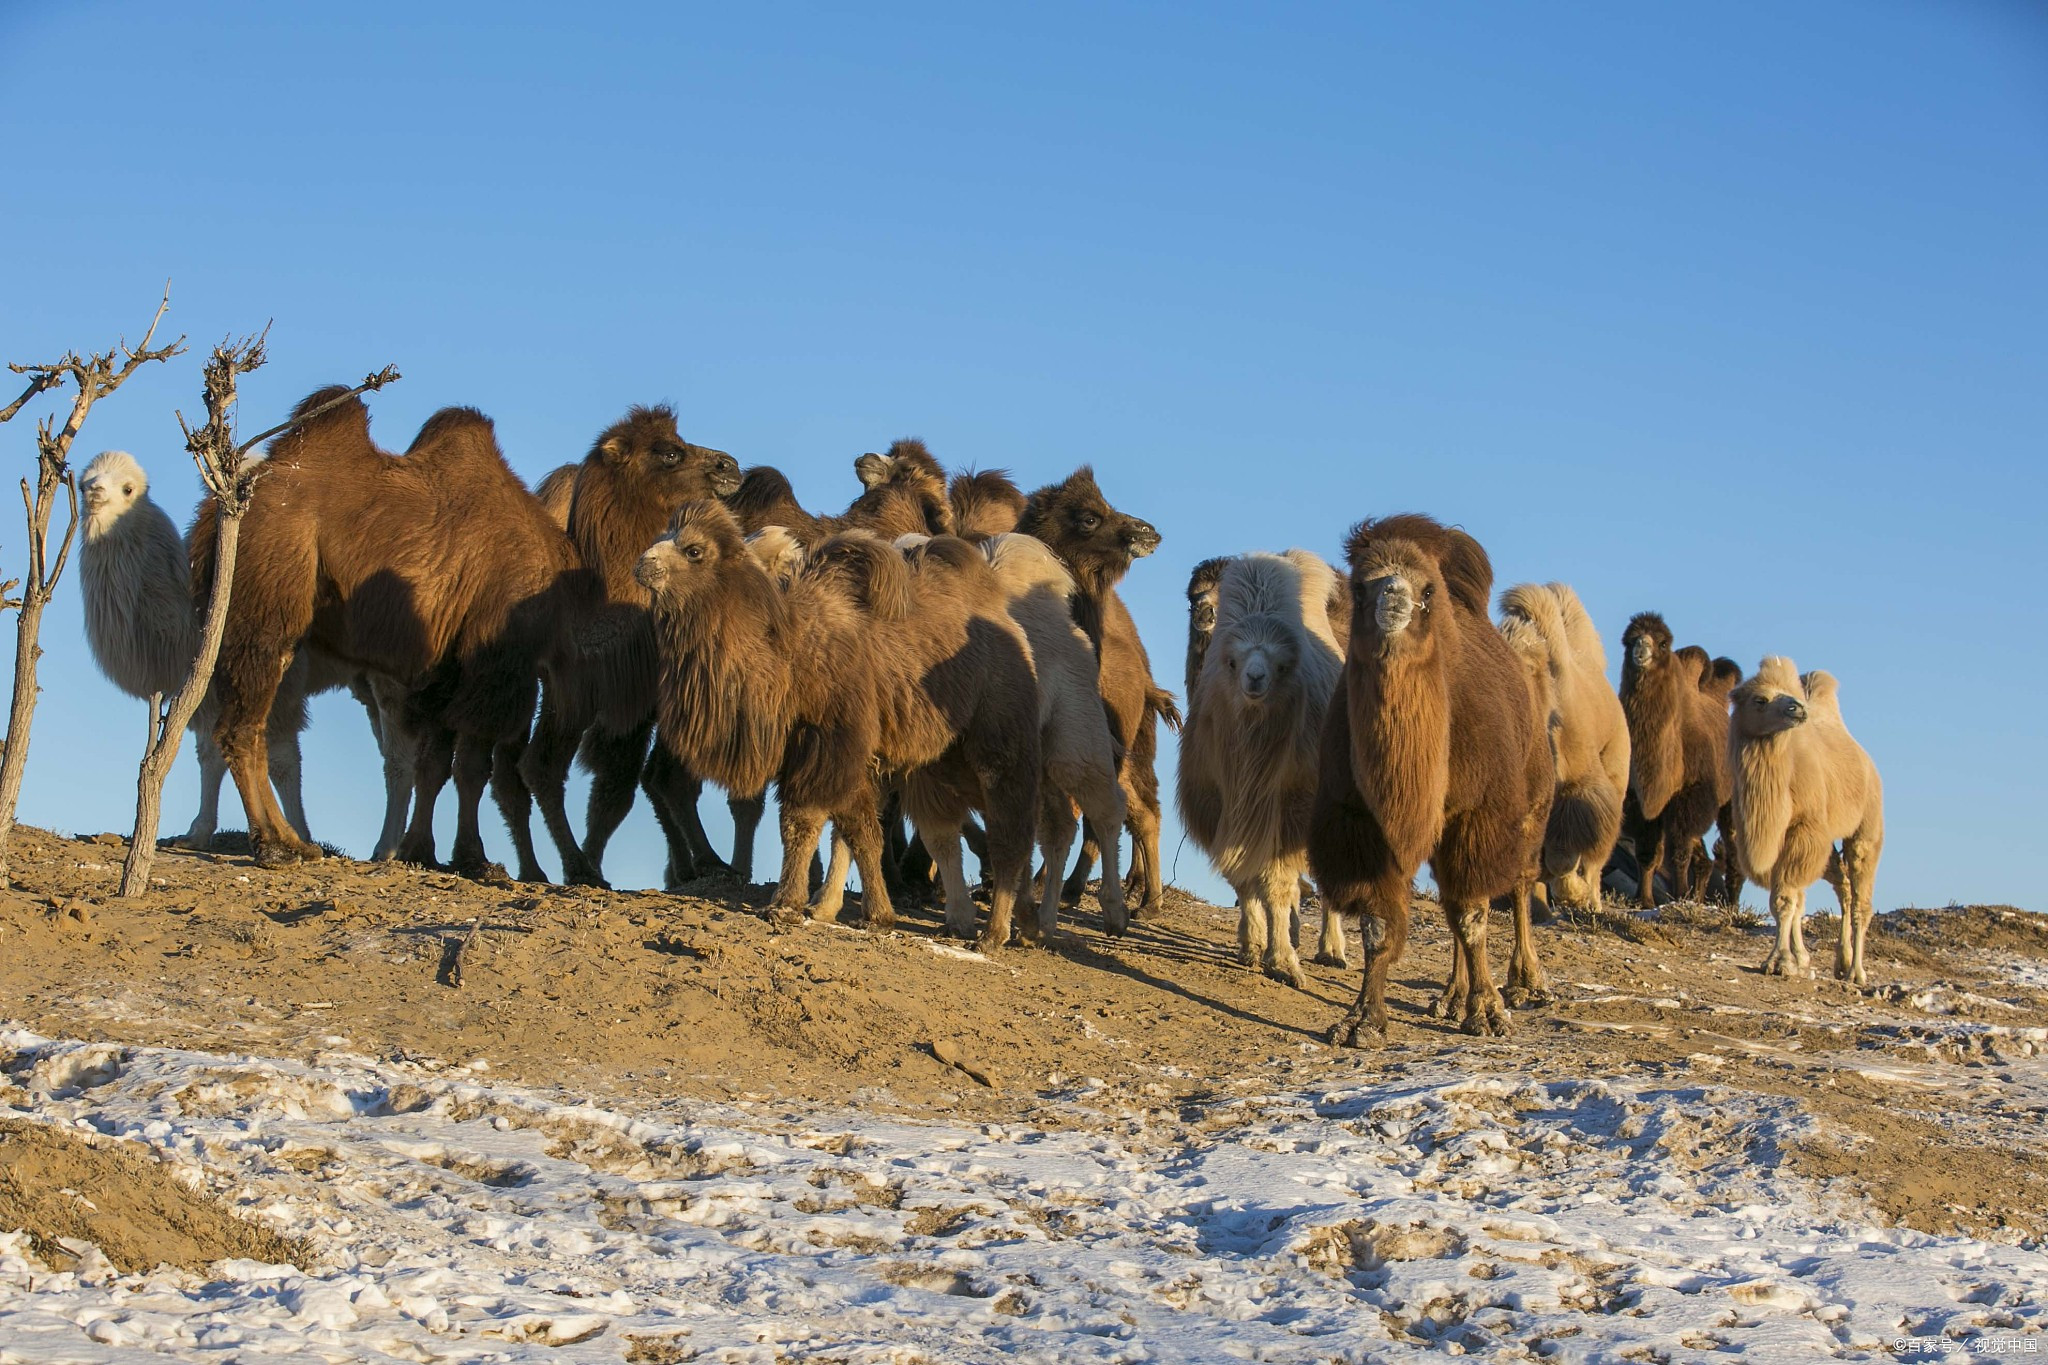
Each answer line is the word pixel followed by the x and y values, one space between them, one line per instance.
pixel 872 570
pixel 347 421
pixel 985 502
pixel 1822 694
pixel 1722 677
pixel 1693 663
pixel 1023 563
pixel 1579 630
pixel 456 430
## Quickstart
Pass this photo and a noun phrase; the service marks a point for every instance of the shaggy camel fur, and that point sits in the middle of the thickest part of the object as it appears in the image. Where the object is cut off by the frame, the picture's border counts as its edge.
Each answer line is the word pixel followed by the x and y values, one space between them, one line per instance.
pixel 1098 544
pixel 1802 785
pixel 1250 750
pixel 1590 735
pixel 636 473
pixel 868 665
pixel 985 504
pixel 438 569
pixel 1435 748
pixel 1678 753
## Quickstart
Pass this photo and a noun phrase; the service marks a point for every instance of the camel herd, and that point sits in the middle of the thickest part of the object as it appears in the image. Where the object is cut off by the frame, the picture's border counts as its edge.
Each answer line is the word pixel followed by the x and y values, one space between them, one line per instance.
pixel 954 652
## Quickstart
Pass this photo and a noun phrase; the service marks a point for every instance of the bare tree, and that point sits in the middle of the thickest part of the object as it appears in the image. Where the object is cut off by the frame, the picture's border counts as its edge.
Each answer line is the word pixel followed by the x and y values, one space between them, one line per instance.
pixel 229 472
pixel 96 376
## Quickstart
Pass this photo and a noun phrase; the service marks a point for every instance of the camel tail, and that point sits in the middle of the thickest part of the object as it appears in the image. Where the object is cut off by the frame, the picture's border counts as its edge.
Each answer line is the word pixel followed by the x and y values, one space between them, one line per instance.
pixel 1165 707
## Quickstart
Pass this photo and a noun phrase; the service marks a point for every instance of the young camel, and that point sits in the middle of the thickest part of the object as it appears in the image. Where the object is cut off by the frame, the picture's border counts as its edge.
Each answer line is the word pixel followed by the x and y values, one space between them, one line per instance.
pixel 1249 751
pixel 1678 753
pixel 868 665
pixel 1802 785
pixel 1435 748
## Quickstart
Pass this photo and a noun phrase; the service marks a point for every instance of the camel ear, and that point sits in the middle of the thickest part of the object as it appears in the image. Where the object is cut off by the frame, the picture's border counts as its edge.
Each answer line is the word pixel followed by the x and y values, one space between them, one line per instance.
pixel 612 448
pixel 1468 573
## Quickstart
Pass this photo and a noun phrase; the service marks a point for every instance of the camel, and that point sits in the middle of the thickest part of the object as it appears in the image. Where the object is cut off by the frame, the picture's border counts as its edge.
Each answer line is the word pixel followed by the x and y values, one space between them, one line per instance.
pixel 636 473
pixel 1078 756
pixel 1250 749
pixel 1435 748
pixel 1802 786
pixel 557 491
pixel 1678 752
pixel 1590 734
pixel 1202 587
pixel 870 664
pixel 1098 544
pixel 143 628
pixel 438 569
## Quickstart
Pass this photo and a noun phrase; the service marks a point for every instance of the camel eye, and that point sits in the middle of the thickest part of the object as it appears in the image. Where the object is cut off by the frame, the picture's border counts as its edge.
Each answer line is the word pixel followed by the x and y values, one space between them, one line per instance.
pixel 693 551
pixel 128 488
pixel 673 455
pixel 1089 521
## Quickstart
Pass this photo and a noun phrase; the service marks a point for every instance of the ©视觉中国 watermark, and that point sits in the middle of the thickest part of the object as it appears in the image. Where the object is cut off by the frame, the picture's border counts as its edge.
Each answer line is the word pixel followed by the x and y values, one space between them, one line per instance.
pixel 1977 1346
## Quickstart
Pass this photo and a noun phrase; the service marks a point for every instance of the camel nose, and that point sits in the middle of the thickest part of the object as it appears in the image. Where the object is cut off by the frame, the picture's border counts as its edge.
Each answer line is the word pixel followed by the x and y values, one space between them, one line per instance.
pixel 1394 603
pixel 1141 538
pixel 1257 679
pixel 1797 710
pixel 648 570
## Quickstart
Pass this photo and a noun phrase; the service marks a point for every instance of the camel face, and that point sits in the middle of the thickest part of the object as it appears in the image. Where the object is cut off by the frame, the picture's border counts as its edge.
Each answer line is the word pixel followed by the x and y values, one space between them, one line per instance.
pixel 1394 586
pixel 647 447
pixel 1261 660
pixel 1771 703
pixel 1202 594
pixel 1647 641
pixel 111 485
pixel 873 470
pixel 1087 530
pixel 684 562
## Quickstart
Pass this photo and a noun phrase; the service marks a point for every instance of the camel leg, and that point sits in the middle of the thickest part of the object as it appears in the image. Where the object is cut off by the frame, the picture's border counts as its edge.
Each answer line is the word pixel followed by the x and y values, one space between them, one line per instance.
pixel 472 777
pixel 1104 802
pixel 1805 962
pixel 1330 943
pixel 746 822
pixel 1275 894
pixel 861 827
pixel 1681 852
pixel 1528 986
pixel 212 770
pixel 953 878
pixel 801 826
pixel 1076 885
pixel 1251 928
pixel 1057 829
pixel 398 743
pixel 675 791
pixel 1010 820
pixel 830 897
pixel 515 803
pixel 1650 860
pixel 1383 933
pixel 283 752
pixel 247 688
pixel 616 759
pixel 1143 822
pixel 1859 875
pixel 1788 958
pixel 430 773
pixel 1485 1014
pixel 544 769
pixel 1450 1001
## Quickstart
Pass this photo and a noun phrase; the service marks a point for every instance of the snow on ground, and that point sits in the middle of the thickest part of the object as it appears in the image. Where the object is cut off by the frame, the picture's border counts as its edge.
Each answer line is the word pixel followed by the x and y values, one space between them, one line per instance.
pixel 1492 1215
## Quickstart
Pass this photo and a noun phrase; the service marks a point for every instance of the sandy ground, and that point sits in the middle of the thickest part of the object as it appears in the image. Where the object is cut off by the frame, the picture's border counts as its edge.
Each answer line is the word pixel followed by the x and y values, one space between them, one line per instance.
pixel 1925 1088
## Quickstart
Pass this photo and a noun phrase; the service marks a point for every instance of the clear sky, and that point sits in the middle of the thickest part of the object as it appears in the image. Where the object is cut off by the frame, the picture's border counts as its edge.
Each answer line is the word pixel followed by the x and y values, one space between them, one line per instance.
pixel 1738 312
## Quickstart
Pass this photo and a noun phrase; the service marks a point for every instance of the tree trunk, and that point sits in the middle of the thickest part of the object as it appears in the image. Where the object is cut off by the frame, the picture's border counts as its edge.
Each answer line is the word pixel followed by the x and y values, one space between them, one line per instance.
pixel 170 725
pixel 21 715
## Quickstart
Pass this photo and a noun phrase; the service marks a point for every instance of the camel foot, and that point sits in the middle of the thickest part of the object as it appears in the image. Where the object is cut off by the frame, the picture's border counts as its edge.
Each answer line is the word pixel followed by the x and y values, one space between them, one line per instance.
pixel 1287 975
pixel 1356 1033
pixel 881 921
pixel 990 945
pixel 1331 960
pixel 783 916
pixel 1489 1020
pixel 1447 1006
pixel 1523 997
pixel 531 872
pixel 1247 958
pixel 285 852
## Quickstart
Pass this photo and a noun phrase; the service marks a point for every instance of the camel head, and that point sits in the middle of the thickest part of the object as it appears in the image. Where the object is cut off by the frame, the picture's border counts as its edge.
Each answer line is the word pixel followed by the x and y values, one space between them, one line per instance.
pixel 1406 571
pixel 1646 643
pixel 1771 702
pixel 906 462
pixel 645 451
pixel 111 484
pixel 703 543
pixel 1097 542
pixel 1202 594
pixel 1262 654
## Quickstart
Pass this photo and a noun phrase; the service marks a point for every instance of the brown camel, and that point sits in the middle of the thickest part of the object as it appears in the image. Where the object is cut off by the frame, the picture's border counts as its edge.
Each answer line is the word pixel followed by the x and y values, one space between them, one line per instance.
pixel 868 665
pixel 438 569
pixel 637 472
pixel 985 504
pixel 1098 544
pixel 1434 748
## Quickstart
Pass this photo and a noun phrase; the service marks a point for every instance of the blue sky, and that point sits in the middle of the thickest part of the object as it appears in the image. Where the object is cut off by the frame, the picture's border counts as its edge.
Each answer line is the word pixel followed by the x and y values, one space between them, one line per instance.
pixel 1734 312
